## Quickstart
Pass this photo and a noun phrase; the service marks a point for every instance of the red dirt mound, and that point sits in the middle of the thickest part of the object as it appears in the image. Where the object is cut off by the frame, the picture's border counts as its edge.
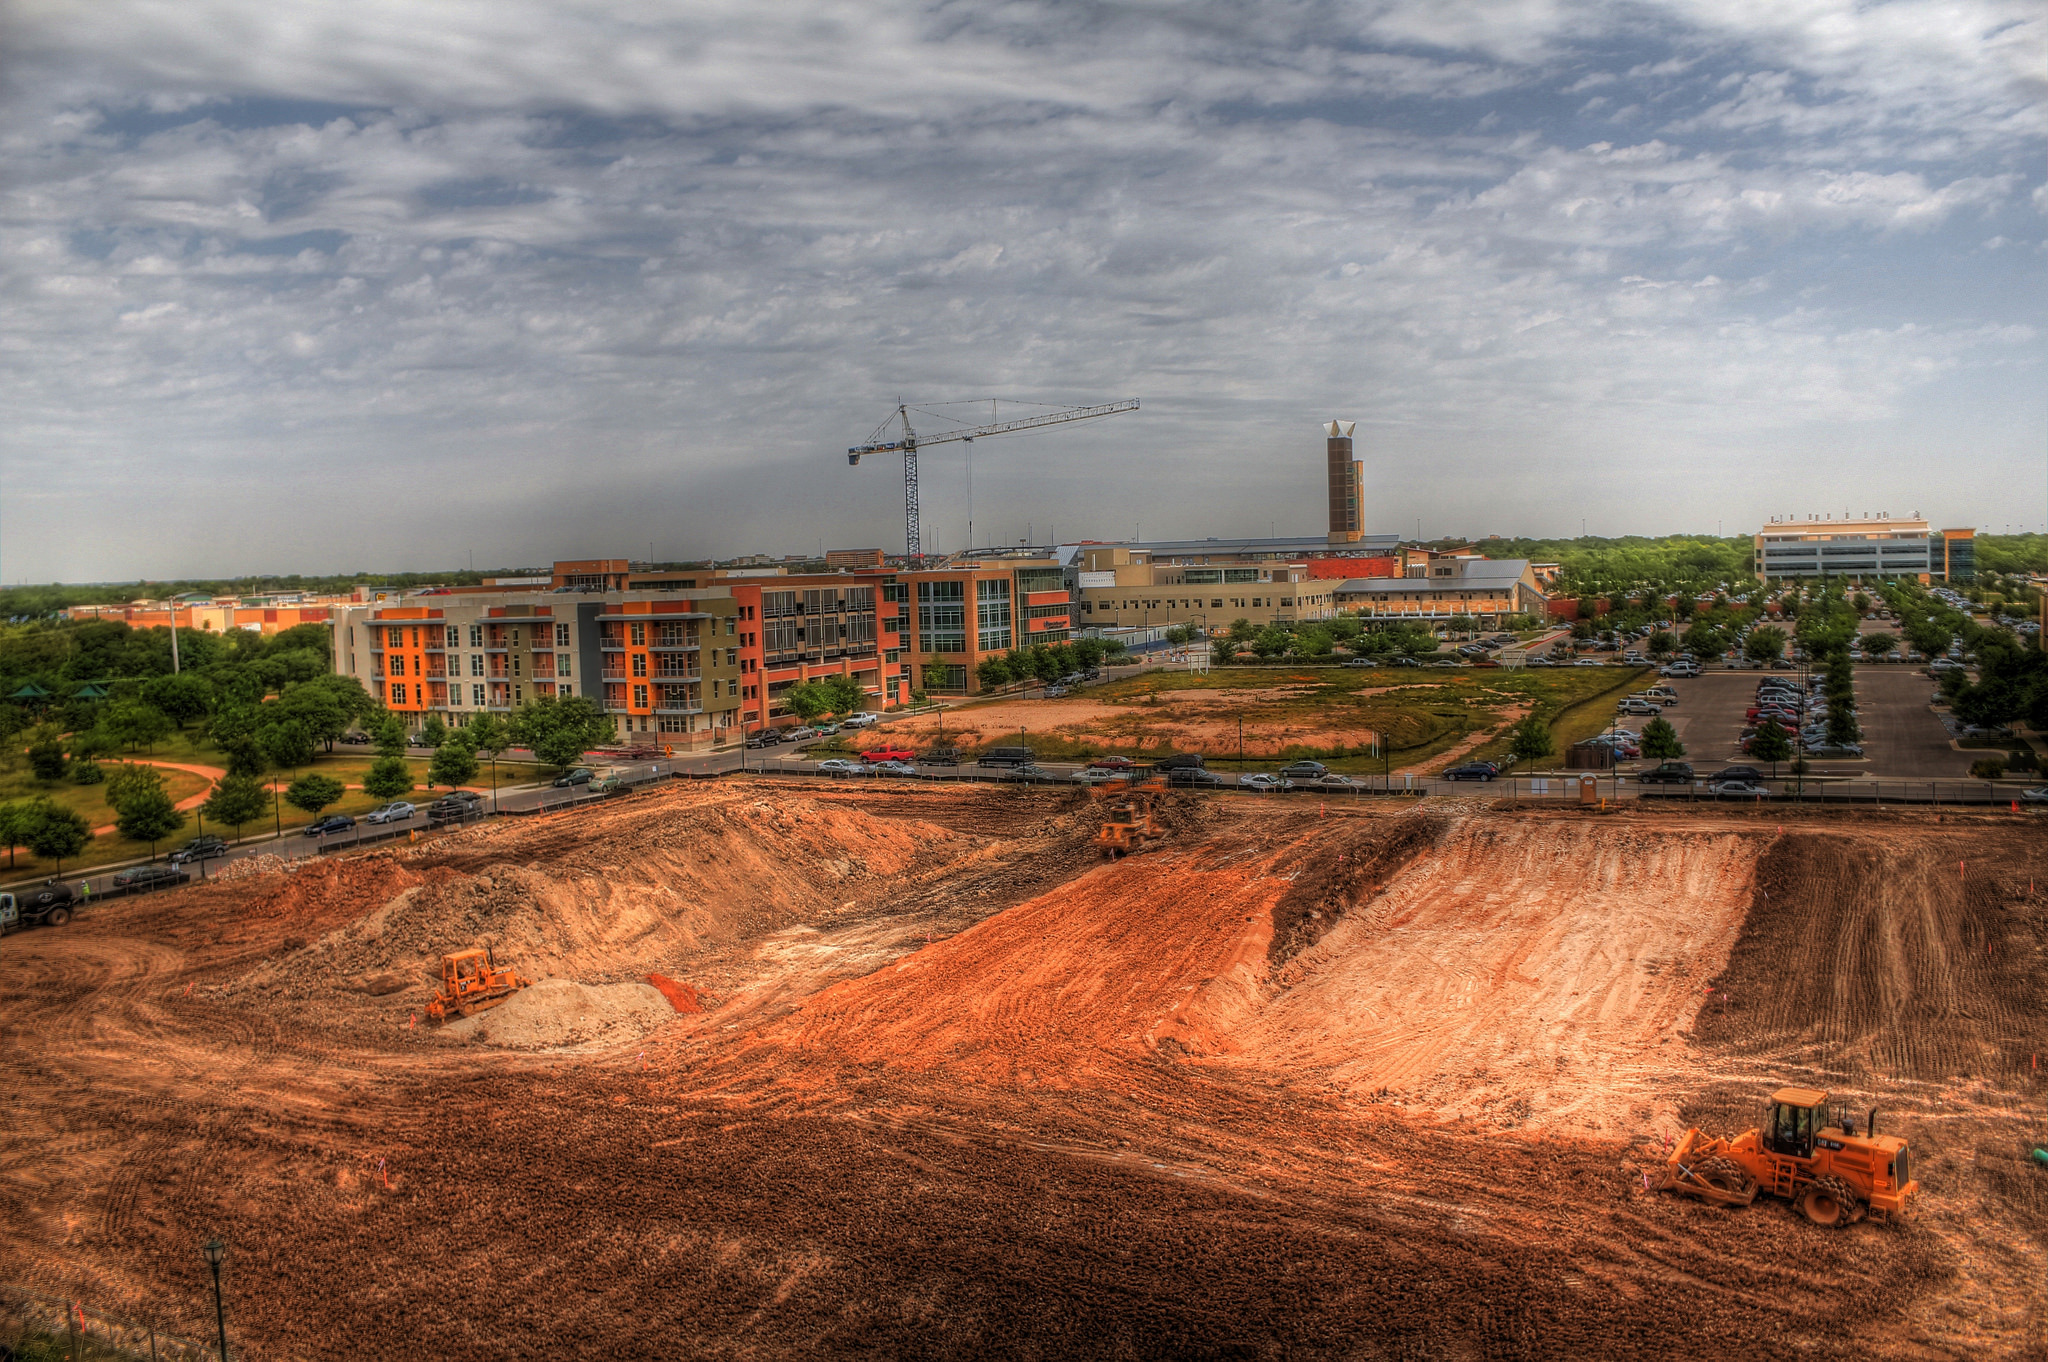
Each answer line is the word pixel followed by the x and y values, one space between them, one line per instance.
pixel 681 997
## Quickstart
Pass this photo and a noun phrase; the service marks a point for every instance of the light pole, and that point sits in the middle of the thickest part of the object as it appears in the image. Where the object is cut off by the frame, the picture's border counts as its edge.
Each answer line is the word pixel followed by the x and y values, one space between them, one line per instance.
pixel 215 1251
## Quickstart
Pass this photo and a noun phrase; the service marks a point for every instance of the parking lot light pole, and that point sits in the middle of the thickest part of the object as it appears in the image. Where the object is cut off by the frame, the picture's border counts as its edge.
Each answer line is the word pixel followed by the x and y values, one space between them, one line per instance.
pixel 215 1251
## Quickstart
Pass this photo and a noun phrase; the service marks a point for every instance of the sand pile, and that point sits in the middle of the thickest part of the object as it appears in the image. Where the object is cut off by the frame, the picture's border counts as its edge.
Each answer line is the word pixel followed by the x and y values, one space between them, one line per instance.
pixel 615 893
pixel 561 1014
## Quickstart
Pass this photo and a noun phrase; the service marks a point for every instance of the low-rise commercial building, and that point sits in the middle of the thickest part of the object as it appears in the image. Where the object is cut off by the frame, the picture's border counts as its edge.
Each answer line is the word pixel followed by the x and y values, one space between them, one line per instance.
pixel 1204 582
pixel 1865 546
pixel 1441 587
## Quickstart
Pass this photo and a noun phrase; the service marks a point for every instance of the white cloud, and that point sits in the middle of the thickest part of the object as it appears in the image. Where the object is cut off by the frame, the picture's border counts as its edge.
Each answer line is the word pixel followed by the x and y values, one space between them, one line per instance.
pixel 613 270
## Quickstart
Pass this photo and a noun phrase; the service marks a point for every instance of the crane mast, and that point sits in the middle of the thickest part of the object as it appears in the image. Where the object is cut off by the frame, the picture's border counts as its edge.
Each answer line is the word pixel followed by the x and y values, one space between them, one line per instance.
pixel 913 538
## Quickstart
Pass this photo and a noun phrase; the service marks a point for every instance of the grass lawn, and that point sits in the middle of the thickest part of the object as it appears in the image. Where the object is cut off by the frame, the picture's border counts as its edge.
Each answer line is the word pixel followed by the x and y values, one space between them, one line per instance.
pixel 345 764
pixel 1330 714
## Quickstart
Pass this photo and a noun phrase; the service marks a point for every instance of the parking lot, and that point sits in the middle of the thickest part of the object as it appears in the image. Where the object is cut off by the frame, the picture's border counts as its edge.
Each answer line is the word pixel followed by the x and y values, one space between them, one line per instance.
pixel 1902 738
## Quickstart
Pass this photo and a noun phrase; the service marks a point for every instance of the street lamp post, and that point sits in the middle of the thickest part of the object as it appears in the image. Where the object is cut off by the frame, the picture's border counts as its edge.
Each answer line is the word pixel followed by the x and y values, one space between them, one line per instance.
pixel 215 1251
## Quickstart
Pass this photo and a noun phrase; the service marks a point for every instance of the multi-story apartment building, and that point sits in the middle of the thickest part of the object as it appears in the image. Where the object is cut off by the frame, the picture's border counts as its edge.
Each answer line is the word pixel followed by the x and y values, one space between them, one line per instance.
pixel 699 656
pixel 660 664
pixel 1865 546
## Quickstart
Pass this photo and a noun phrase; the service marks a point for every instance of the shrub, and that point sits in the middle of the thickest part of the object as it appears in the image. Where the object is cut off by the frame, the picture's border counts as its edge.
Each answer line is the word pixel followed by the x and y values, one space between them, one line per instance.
pixel 1990 768
pixel 2022 759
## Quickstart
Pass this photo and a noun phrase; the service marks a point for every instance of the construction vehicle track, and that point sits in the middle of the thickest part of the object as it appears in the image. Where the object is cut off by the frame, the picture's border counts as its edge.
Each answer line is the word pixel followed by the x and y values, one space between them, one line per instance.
pixel 1101 1110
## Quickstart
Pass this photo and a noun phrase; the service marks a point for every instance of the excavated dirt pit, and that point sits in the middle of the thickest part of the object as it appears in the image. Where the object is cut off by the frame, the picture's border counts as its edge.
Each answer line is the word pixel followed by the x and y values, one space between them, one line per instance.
pixel 816 1071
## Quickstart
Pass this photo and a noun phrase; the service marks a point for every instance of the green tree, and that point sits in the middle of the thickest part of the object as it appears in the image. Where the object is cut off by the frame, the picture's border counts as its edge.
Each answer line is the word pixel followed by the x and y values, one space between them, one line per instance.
pixel 993 671
pixel 387 778
pixel 286 743
pixel 488 734
pixel 1860 603
pixel 15 821
pixel 938 674
pixel 561 728
pixel 149 816
pixel 182 698
pixel 1663 643
pixel 236 799
pixel 433 732
pixel 136 723
pixel 1842 726
pixel 1766 643
pixel 391 737
pixel 806 700
pixel 1660 740
pixel 46 755
pixel 1878 644
pixel 1179 635
pixel 1531 740
pixel 1242 631
pixel 1270 642
pixel 313 792
pixel 1771 744
pixel 843 695
pixel 132 780
pixel 454 762
pixel 316 709
pixel 56 833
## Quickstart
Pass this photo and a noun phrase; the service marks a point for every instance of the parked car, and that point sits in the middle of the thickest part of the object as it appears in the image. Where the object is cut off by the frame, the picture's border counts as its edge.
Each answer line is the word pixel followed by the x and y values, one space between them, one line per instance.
pixel 1006 756
pixel 398 812
pixel 1362 662
pixel 1679 669
pixel 2037 795
pixel 356 739
pixel 800 734
pixel 1194 778
pixel 455 805
pixel 765 738
pixel 1402 662
pixel 1030 773
pixel 1112 763
pixel 1333 783
pixel 939 756
pixel 203 848
pixel 860 721
pixel 580 776
pixel 889 752
pixel 1262 780
pixel 1735 773
pixel 1054 692
pixel 825 730
pixel 1837 751
pixel 151 877
pixel 1589 662
pixel 1096 775
pixel 333 822
pixel 1740 789
pixel 1667 773
pixel 1303 770
pixel 1472 770
pixel 1634 706
pixel 1178 761
pixel 840 766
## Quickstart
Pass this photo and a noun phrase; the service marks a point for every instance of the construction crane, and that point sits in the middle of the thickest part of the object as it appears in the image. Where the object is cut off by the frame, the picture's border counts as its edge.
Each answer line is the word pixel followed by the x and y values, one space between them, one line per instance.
pixel 913 539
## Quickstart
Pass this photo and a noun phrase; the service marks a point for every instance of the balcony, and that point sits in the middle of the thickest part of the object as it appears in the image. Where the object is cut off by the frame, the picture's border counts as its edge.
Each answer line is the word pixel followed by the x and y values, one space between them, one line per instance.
pixel 668 709
pixel 674 647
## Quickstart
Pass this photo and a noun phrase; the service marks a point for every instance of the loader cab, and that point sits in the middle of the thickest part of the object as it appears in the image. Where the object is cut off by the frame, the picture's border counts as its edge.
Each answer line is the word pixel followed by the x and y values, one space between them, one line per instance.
pixel 1795 1116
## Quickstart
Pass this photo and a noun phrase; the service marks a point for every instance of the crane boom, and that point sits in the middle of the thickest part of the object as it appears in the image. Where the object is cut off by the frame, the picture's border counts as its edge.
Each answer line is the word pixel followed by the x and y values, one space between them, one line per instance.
pixel 913 544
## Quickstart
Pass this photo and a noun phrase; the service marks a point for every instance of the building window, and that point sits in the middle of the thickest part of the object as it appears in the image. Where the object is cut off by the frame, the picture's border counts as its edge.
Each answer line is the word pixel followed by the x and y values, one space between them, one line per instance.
pixel 562 664
pixel 639 697
pixel 639 662
pixel 398 693
pixel 992 615
pixel 476 636
pixel 732 657
pixel 638 633
pixel 476 664
pixel 476 695
pixel 451 637
pixel 732 625
pixel 942 616
pixel 561 636
pixel 671 723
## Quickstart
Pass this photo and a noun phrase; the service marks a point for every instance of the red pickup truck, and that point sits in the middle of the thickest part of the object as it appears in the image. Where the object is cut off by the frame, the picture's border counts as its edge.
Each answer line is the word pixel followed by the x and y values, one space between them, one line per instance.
pixel 888 753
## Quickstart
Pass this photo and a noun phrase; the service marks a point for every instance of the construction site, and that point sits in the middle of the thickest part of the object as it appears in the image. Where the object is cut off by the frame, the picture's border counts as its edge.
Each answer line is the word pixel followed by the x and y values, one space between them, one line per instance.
pixel 739 1069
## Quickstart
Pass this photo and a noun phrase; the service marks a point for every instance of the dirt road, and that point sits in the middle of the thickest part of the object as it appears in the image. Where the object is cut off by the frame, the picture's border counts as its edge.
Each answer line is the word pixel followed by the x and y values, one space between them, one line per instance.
pixel 958 1088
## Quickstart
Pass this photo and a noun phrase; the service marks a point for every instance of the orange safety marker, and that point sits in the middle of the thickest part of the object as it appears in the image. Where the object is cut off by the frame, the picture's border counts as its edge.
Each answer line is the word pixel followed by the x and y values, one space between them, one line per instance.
pixel 412 1021
pixel 386 1177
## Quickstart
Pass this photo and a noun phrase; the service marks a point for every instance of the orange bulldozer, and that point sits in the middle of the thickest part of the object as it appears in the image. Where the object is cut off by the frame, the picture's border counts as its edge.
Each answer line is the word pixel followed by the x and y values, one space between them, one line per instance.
pixel 1131 821
pixel 470 982
pixel 1804 1153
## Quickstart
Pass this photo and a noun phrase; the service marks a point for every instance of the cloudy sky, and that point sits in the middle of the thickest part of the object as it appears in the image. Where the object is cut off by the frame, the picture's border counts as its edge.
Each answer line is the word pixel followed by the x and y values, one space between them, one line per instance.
pixel 297 285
